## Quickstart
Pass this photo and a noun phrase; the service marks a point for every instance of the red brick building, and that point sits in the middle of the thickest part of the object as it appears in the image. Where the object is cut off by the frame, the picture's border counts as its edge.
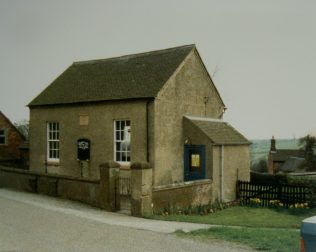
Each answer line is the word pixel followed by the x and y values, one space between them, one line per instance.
pixel 10 141
pixel 278 157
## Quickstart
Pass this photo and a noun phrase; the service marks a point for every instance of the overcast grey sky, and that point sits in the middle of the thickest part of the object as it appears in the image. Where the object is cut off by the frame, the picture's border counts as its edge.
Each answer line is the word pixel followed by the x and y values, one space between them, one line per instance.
pixel 265 51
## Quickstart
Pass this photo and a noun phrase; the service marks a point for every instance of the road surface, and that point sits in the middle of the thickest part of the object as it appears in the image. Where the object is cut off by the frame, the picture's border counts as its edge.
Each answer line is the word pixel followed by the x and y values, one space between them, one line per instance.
pixel 32 222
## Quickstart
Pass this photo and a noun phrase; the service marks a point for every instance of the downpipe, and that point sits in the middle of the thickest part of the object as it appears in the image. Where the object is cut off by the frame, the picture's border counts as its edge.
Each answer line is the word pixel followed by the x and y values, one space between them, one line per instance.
pixel 222 174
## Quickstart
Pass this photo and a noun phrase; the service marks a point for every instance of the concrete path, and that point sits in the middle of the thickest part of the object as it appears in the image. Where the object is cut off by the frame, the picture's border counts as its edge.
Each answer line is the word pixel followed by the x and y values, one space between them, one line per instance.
pixel 32 222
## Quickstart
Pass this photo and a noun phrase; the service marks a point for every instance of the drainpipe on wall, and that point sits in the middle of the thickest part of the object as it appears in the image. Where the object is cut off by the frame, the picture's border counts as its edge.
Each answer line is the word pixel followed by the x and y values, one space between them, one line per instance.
pixel 222 173
pixel 147 131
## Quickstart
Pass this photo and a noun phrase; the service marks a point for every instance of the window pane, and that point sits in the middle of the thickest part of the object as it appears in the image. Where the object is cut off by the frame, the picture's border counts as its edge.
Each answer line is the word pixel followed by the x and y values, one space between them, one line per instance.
pixel 128 123
pixel 128 156
pixel 118 158
pixel 2 140
pixel 2 132
pixel 118 135
pixel 122 135
pixel 124 157
pixel 118 146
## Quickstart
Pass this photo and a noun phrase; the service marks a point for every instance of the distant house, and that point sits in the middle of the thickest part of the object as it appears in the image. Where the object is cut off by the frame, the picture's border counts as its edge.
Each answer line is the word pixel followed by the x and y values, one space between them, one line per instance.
pixel 293 164
pixel 160 107
pixel 285 160
pixel 10 141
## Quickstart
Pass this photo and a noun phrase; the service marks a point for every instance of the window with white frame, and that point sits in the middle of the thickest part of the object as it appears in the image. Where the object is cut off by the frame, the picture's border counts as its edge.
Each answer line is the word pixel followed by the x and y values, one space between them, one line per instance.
pixel 53 141
pixel 3 137
pixel 122 141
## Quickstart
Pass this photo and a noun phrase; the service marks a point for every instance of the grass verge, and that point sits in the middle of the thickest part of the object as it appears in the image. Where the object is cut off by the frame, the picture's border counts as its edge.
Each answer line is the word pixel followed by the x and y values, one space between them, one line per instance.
pixel 247 217
pixel 263 229
pixel 261 239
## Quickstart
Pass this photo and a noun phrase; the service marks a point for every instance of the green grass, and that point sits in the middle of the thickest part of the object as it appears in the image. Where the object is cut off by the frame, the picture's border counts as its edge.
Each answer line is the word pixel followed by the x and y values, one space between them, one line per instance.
pixel 248 217
pixel 260 239
pixel 263 229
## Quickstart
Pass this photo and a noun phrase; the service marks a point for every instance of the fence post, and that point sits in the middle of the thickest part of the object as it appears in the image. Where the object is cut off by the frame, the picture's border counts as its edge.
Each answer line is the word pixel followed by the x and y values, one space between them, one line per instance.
pixel 109 173
pixel 141 189
pixel 237 190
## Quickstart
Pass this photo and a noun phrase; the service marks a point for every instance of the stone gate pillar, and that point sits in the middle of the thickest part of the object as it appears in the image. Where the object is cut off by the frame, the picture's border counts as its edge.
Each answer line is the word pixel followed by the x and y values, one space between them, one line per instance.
pixel 141 189
pixel 109 172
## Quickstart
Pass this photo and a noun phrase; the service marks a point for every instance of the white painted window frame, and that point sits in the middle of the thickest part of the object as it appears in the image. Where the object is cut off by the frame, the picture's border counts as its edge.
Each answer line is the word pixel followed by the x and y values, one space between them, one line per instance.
pixel 54 139
pixel 115 140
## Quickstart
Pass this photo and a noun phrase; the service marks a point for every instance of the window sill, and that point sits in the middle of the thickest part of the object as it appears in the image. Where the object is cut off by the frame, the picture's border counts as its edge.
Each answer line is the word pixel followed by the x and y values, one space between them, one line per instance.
pixel 125 165
pixel 52 163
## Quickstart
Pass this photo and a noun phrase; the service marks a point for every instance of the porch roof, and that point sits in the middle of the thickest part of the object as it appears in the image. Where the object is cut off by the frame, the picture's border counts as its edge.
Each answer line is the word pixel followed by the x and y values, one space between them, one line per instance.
pixel 218 131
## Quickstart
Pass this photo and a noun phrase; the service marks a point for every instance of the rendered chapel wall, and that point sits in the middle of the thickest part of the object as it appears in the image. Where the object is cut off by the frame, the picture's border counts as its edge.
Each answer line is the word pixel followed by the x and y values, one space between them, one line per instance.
pixel 183 94
pixel 236 167
pixel 99 130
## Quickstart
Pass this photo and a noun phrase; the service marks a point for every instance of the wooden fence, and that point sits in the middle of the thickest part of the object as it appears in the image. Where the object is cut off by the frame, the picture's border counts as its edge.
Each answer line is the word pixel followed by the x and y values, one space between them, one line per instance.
pixel 269 195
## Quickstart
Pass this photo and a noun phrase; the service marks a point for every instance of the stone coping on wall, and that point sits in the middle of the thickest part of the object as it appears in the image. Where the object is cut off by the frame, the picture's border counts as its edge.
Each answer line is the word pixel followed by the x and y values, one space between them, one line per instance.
pixel 182 184
pixel 302 174
pixel 140 166
pixel 16 170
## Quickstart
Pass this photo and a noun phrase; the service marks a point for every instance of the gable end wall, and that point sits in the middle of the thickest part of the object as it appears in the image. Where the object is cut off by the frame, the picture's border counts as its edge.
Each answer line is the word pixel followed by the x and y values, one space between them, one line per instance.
pixel 183 94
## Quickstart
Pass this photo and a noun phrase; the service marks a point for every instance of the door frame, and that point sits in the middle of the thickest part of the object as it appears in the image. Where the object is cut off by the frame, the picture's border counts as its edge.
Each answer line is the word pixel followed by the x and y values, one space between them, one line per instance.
pixel 194 175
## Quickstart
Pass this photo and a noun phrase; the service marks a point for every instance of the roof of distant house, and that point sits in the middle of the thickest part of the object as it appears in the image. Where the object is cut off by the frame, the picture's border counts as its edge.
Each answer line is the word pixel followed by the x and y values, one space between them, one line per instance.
pixel 281 155
pixel 12 124
pixel 127 77
pixel 293 164
pixel 218 131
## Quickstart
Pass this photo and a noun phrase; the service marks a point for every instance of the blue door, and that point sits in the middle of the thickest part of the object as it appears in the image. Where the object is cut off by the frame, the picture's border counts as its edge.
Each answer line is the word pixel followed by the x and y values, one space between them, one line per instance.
pixel 194 162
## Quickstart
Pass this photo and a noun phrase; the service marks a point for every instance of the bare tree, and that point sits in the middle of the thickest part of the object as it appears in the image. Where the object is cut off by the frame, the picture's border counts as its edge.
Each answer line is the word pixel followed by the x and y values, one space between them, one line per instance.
pixel 23 127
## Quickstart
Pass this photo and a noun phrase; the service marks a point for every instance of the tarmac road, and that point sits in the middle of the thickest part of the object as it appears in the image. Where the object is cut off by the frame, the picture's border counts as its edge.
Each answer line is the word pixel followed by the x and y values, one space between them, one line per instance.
pixel 31 222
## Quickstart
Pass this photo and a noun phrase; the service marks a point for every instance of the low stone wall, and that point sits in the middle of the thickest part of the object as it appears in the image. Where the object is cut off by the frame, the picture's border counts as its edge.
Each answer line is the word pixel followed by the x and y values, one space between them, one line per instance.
pixel 79 189
pixel 192 193
pixel 102 193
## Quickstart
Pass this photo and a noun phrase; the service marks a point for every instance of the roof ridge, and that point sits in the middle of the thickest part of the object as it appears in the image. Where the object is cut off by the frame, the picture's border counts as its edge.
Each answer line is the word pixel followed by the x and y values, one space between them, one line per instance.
pixel 134 55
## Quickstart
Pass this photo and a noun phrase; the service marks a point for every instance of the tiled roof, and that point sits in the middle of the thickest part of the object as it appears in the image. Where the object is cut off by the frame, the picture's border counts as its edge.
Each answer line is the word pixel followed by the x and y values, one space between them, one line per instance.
pixel 282 155
pixel 219 132
pixel 127 77
pixel 292 164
